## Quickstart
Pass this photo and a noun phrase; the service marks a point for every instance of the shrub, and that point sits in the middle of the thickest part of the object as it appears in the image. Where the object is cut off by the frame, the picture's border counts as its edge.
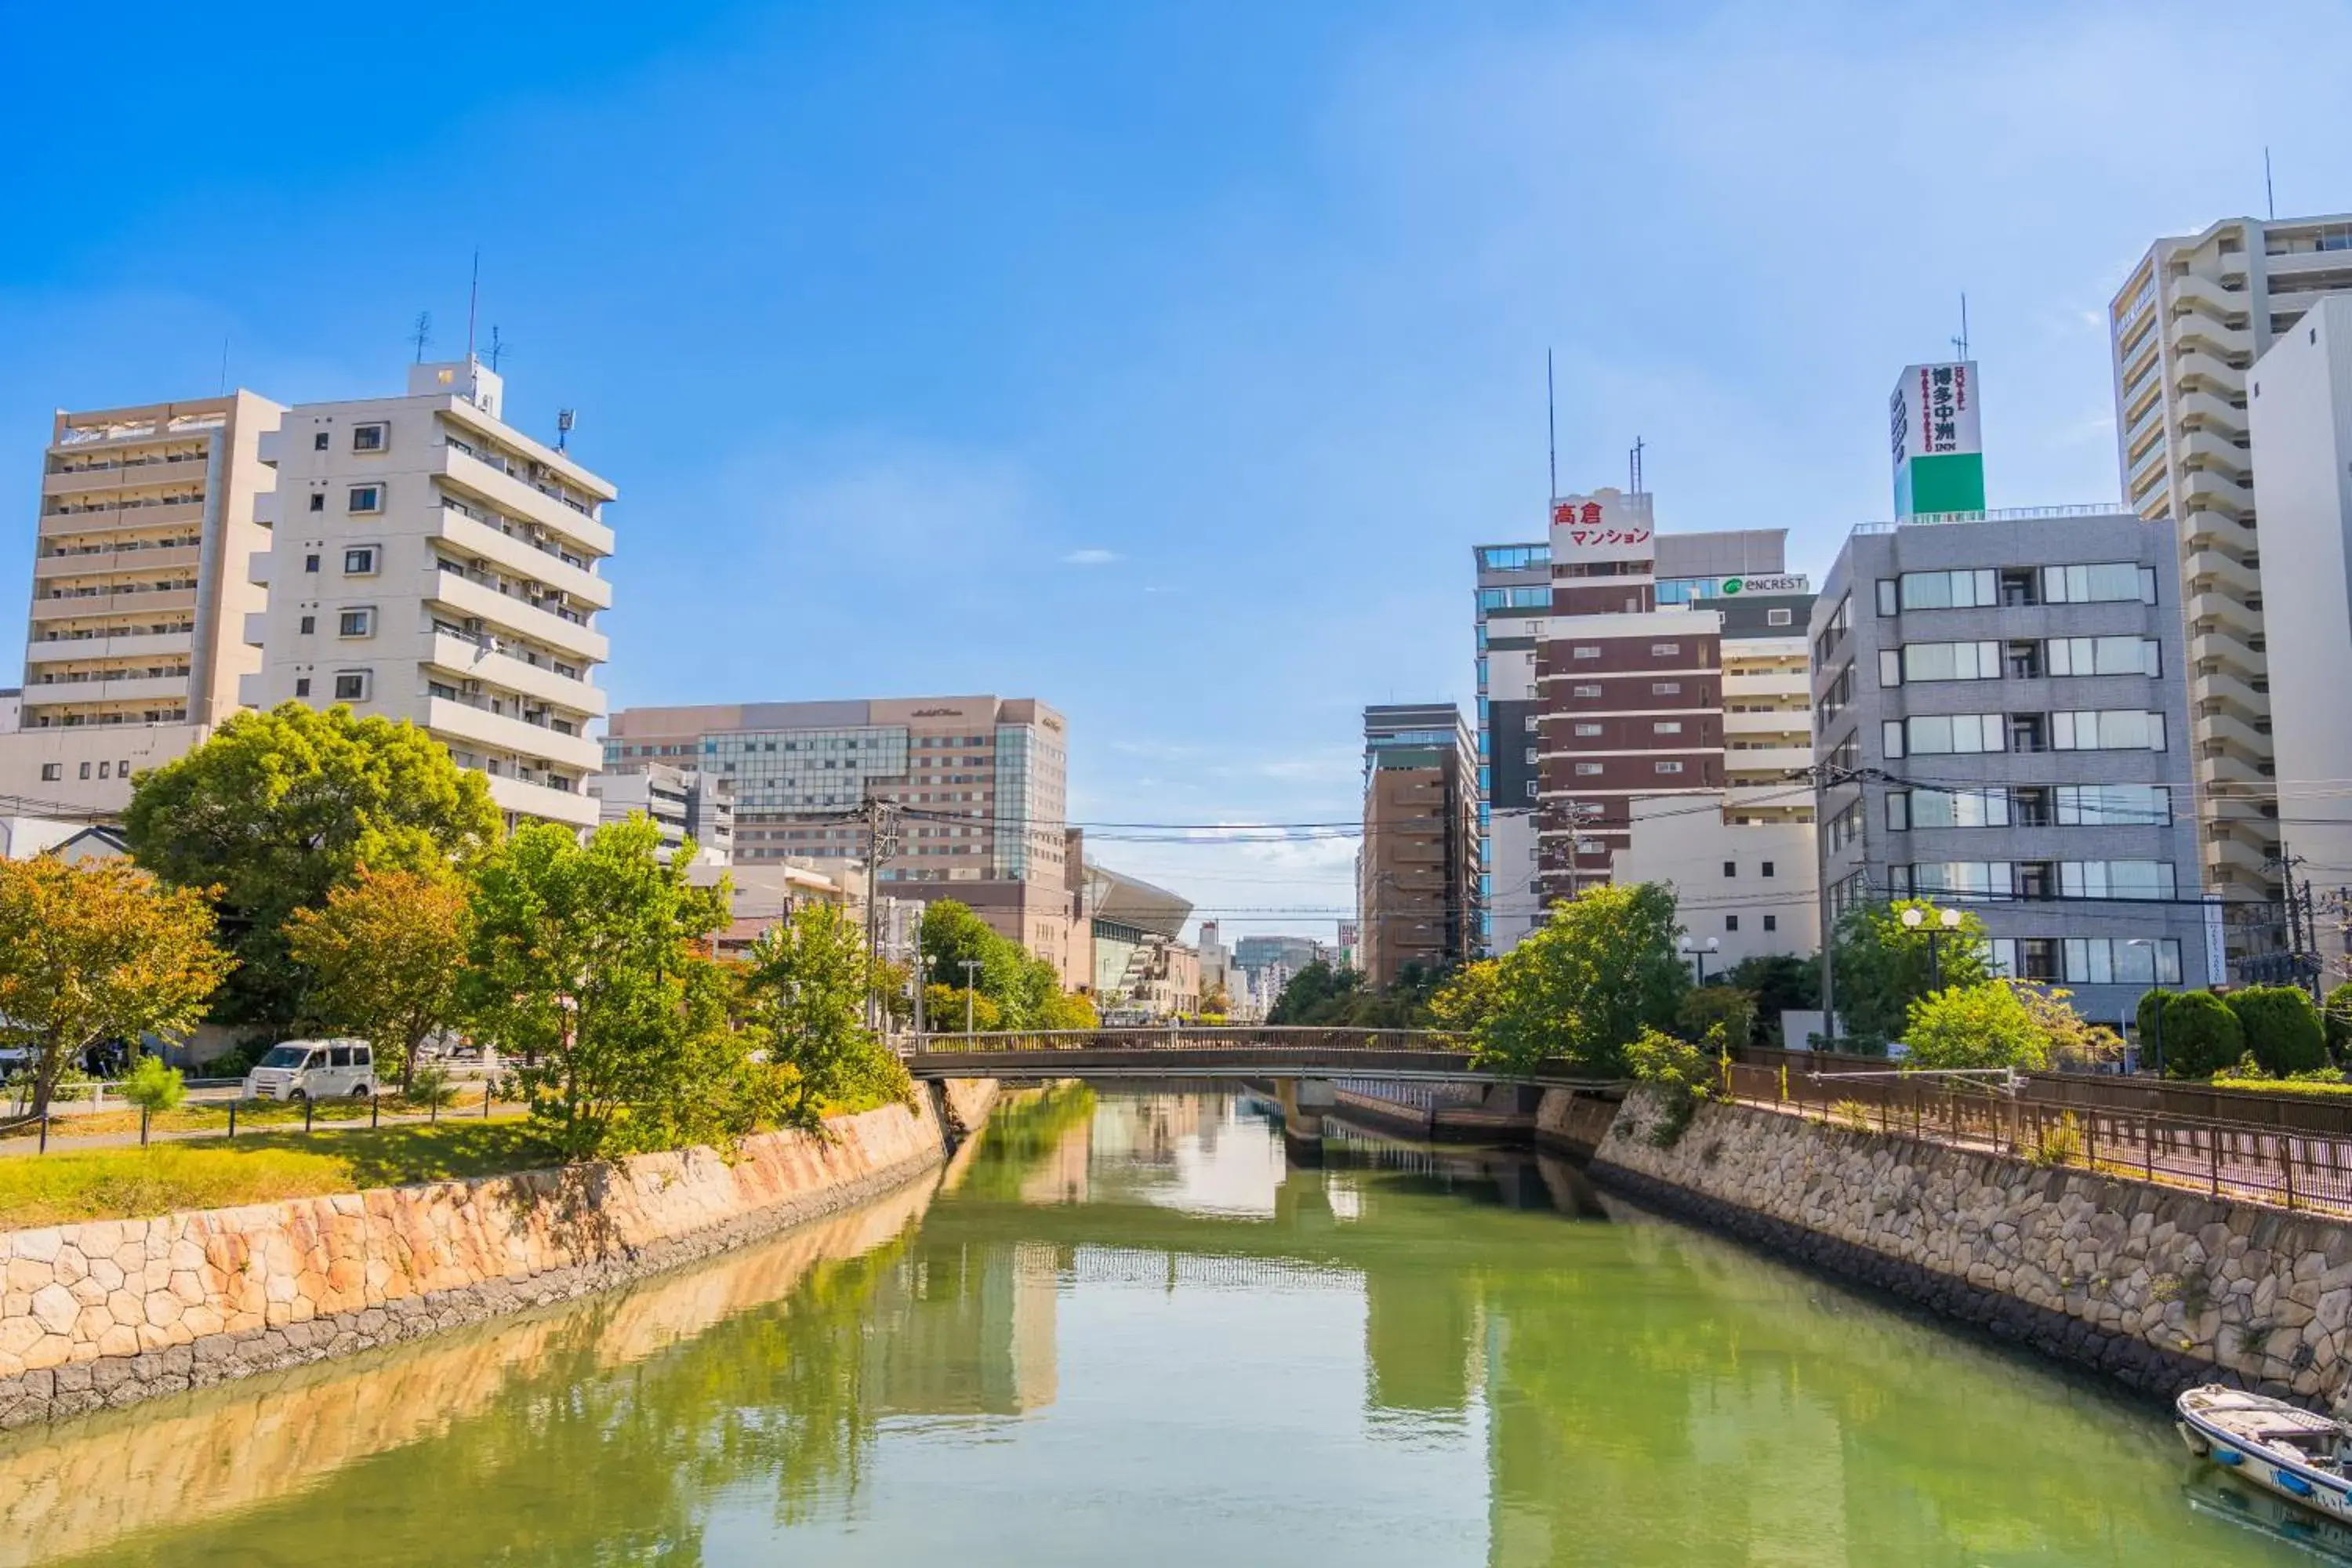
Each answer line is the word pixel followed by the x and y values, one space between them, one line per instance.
pixel 2201 1035
pixel 2058 1143
pixel 1983 1026
pixel 1719 1016
pixel 429 1085
pixel 153 1086
pixel 1852 1115
pixel 2282 1030
pixel 2338 1020
pixel 1681 1074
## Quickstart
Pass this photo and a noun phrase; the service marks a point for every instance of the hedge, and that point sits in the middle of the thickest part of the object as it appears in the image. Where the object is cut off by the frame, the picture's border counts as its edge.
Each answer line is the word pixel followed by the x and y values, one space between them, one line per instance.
pixel 2201 1035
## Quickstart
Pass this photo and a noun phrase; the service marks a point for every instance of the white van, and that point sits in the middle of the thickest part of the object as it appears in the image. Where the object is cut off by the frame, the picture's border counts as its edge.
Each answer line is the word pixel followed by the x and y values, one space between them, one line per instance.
pixel 313 1069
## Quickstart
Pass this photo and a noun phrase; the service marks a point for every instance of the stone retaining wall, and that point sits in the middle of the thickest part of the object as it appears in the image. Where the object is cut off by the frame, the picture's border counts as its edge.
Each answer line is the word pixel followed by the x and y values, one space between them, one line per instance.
pixel 2160 1288
pixel 109 1312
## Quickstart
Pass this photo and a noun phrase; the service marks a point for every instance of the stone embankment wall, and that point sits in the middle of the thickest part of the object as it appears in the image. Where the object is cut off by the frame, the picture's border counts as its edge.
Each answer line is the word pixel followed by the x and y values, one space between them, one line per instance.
pixel 2160 1288
pixel 109 1312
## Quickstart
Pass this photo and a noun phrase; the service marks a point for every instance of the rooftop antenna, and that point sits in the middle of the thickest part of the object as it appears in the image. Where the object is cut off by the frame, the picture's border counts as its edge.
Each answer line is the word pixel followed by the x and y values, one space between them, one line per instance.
pixel 565 418
pixel 420 332
pixel 499 347
pixel 1551 427
pixel 2269 197
pixel 472 300
pixel 223 382
pixel 1635 464
pixel 1962 343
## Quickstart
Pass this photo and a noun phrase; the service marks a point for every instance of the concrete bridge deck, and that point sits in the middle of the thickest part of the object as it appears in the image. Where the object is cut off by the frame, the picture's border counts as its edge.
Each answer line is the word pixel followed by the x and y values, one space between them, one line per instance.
pixel 1211 1052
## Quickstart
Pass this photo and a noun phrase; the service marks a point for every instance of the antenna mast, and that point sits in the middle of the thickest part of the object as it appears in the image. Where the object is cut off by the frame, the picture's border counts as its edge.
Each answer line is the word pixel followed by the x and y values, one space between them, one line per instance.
pixel 1962 343
pixel 1551 430
pixel 1634 464
pixel 499 347
pixel 420 332
pixel 2269 197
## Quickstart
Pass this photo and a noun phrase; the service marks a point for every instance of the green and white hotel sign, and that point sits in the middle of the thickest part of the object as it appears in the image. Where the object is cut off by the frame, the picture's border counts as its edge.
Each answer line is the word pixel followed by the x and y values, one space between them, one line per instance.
pixel 1936 440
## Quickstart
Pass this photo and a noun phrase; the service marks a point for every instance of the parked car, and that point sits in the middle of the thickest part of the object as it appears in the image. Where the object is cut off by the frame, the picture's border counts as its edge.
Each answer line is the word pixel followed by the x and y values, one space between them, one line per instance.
pixel 313 1069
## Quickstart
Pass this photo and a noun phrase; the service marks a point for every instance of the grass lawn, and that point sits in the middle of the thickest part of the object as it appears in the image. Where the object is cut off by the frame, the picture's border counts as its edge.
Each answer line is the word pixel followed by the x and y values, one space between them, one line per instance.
pixel 212 1116
pixel 135 1183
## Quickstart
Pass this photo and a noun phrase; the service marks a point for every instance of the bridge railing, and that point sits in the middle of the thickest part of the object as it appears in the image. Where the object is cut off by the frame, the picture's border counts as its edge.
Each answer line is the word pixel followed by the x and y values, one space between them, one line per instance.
pixel 1299 1037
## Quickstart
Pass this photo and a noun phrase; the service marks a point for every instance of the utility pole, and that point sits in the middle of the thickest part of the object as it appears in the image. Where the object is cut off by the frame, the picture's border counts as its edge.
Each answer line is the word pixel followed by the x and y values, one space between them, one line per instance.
pixel 969 965
pixel 881 844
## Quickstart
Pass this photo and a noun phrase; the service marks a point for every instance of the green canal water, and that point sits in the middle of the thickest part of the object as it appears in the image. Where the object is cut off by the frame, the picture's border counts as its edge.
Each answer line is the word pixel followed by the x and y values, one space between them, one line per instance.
pixel 1121 1329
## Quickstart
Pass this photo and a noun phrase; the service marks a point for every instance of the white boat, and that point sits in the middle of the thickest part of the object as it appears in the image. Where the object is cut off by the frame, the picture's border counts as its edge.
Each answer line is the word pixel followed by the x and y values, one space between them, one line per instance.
pixel 2283 1449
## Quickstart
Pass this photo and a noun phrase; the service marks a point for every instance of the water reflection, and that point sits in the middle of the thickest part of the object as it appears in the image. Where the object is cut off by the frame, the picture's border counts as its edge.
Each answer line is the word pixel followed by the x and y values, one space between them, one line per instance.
pixel 1124 1329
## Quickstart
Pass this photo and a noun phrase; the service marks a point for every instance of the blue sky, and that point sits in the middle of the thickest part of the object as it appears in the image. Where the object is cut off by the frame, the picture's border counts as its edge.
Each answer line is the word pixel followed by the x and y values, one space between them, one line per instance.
pixel 1162 361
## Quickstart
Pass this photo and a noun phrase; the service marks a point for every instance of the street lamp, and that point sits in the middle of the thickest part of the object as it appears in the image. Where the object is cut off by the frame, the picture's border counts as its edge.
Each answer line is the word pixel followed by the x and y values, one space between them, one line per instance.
pixel 1698 954
pixel 2156 983
pixel 1947 920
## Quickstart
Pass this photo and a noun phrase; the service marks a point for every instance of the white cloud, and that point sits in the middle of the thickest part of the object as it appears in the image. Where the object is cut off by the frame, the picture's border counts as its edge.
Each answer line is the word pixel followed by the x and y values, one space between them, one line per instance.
pixel 1090 556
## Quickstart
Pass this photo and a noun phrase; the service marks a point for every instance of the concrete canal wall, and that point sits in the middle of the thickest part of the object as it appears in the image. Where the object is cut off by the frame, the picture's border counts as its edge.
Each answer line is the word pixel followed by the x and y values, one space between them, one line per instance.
pixel 110 1312
pixel 2160 1288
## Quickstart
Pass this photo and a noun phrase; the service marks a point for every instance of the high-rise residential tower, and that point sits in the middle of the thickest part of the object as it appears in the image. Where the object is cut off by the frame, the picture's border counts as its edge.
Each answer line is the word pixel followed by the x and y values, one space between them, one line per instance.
pixel 431 563
pixel 1513 601
pixel 2186 327
pixel 1417 887
pixel 134 648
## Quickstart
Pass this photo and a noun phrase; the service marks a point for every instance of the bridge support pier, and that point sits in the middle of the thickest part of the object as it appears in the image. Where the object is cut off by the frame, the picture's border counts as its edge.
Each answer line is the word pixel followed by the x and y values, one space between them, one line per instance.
pixel 1305 1103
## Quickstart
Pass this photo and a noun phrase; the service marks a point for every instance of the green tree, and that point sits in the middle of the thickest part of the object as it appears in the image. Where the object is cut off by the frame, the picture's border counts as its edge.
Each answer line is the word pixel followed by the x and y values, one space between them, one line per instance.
pixel 2075 1044
pixel 1316 995
pixel 1584 985
pixel 947 1009
pixel 1720 1017
pixel 96 952
pixel 2201 1035
pixel 1780 983
pixel 1068 1010
pixel 964 949
pixel 2339 1021
pixel 1463 1002
pixel 2282 1030
pixel 1883 966
pixel 1985 1024
pixel 151 1085
pixel 805 1001
pixel 430 1087
pixel 278 808
pixel 589 963
pixel 387 953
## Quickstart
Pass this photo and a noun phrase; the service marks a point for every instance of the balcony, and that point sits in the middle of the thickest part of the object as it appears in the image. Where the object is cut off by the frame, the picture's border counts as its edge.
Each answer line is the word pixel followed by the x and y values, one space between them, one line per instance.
pixel 84 564
pixel 536 800
pixel 2230 731
pixel 2207 294
pixel 1778 762
pixel 2207 528
pixel 75 649
pixel 2234 778
pixel 2211 605
pixel 518 499
pixel 1792 721
pixel 521 557
pixel 2225 688
pixel 2228 860
pixel 2224 571
pixel 465 660
pixel 1794 684
pixel 505 733
pixel 2203 488
pixel 2195 330
pixel 2213 451
pixel 176 470
pixel 2202 409
pixel 2226 647
pixel 171 689
pixel 170 601
pixel 184 514
pixel 479 601
pixel 2196 367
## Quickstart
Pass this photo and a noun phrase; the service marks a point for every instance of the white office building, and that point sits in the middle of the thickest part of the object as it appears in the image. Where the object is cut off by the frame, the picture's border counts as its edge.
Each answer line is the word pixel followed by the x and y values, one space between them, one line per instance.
pixel 428 562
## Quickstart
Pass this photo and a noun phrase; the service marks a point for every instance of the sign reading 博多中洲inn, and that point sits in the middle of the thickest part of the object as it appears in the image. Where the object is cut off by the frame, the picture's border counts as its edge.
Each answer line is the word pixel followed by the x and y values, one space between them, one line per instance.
pixel 1606 525
pixel 1934 434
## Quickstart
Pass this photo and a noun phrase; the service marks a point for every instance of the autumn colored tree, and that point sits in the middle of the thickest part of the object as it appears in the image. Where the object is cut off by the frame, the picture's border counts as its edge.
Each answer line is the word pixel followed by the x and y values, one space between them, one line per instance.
pixel 385 954
pixel 277 809
pixel 96 952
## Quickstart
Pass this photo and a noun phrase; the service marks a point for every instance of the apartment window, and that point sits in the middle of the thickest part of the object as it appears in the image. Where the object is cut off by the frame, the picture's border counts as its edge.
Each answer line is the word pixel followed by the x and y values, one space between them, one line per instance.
pixel 365 498
pixel 1532 789
pixel 1531 754
pixel 2115 806
pixel 1946 808
pixel 2099 583
pixel 51 773
pixel 1886 600
pixel 1665 689
pixel 319 497
pixel 1583 729
pixel 1661 649
pixel 355 623
pixel 1947 661
pixel 302 686
pixel 360 561
pixel 1772 923
pixel 106 769
pixel 1731 922
pixel 2106 656
pixel 351 685
pixel 1670 767
pixel 319 442
pixel 1585 691
pixel 1890 667
pixel 1667 727
pixel 2108 729
pixel 309 563
pixel 1959 879
pixel 1731 868
pixel 85 770
pixel 1779 619
pixel 369 437
pixel 309 623
pixel 123 768
pixel 1530 722
pixel 1587 769
pixel 1766 869
pixel 2110 961
pixel 1947 733
pixel 1585 650
pixel 1962 590
pixel 2116 879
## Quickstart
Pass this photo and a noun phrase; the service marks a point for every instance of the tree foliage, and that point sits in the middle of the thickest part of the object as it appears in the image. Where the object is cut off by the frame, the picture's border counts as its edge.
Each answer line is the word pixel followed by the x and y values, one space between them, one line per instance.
pixel 2201 1035
pixel 2283 1030
pixel 1984 1025
pixel 386 954
pixel 96 952
pixel 1883 966
pixel 589 963
pixel 2075 1043
pixel 961 949
pixel 804 998
pixel 1720 1017
pixel 1584 985
pixel 1465 1001
pixel 278 808
pixel 1780 983
pixel 2339 1021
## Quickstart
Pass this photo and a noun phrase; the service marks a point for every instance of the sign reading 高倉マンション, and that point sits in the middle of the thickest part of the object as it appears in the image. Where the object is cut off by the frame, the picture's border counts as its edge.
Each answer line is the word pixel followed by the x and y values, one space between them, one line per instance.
pixel 1606 525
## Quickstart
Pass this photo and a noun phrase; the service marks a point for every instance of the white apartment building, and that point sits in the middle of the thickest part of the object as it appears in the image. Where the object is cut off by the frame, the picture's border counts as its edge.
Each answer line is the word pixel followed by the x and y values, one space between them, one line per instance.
pixel 133 650
pixel 2186 328
pixel 682 802
pixel 2300 413
pixel 1743 888
pixel 431 563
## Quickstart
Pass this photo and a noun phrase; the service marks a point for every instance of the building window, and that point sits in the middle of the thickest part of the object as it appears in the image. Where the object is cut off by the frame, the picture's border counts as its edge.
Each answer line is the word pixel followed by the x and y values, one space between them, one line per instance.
pixel 51 773
pixel 1532 789
pixel 1531 753
pixel 2108 729
pixel 369 437
pixel 1731 868
pixel 1772 923
pixel 1661 649
pixel 1765 869
pixel 1670 767
pixel 1665 689
pixel 365 498
pixel 351 685
pixel 85 770
pixel 1587 769
pixel 355 623
pixel 309 625
pixel 319 497
pixel 319 442
pixel 1585 650
pixel 1582 692
pixel 360 561
pixel 1668 727
pixel 106 769
pixel 1731 922
pixel 309 563
pixel 302 686
pixel 1587 730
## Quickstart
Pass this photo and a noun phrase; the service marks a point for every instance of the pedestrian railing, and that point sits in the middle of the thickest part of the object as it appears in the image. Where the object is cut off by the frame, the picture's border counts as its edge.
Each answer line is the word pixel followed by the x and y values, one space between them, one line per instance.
pixel 1192 1037
pixel 2292 1169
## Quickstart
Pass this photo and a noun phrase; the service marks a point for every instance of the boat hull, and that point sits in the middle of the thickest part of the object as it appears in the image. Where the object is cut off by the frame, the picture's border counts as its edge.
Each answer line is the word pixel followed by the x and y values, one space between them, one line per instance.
pixel 2324 1494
